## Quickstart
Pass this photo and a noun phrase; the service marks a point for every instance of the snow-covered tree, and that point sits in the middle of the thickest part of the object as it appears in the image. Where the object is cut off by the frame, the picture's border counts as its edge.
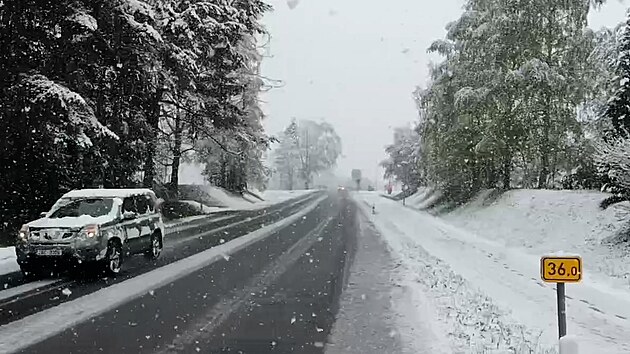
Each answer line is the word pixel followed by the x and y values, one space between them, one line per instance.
pixel 500 109
pixel 618 107
pixel 403 162
pixel 115 91
pixel 613 149
pixel 306 148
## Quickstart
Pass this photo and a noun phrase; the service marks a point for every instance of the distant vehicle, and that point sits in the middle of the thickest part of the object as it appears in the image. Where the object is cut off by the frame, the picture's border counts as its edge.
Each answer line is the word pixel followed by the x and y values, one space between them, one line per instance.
pixel 370 189
pixel 356 177
pixel 342 191
pixel 92 227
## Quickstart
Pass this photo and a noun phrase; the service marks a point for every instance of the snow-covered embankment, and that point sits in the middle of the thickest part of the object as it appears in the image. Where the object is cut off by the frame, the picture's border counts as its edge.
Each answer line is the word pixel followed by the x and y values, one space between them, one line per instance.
pixel 478 270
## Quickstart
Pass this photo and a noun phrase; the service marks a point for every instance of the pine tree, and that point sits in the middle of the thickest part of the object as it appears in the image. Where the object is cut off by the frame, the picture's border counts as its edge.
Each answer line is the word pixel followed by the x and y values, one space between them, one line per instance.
pixel 613 150
pixel 618 107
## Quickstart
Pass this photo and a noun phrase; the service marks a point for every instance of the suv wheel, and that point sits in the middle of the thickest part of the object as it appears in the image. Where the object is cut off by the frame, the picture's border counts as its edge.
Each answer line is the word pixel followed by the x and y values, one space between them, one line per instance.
pixel 113 258
pixel 156 247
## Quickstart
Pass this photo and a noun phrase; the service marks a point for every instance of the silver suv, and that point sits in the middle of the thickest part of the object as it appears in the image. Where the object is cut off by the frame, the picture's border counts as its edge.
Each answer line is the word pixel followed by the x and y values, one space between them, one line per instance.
pixel 92 226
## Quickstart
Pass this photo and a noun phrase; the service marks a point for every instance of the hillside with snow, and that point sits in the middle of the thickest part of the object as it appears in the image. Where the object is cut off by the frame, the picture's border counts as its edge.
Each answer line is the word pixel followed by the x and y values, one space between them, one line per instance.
pixel 476 268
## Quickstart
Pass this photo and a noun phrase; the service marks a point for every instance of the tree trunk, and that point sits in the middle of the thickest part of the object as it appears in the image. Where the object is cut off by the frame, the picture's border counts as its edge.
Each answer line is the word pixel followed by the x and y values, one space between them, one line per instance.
pixel 153 119
pixel 507 171
pixel 177 156
pixel 544 154
pixel 477 179
pixel 290 179
pixel 491 174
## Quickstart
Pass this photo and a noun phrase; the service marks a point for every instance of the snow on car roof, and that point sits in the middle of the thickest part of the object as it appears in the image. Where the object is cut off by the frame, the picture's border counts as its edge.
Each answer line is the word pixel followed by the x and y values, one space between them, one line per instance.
pixel 99 193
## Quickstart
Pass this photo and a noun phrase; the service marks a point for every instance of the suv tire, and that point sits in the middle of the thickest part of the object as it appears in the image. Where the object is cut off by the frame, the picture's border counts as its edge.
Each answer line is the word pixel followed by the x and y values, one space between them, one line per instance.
pixel 156 246
pixel 113 258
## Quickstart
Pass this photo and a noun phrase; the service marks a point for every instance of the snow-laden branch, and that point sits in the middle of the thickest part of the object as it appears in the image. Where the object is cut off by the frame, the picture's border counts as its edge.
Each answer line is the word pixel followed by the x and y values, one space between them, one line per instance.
pixel 46 92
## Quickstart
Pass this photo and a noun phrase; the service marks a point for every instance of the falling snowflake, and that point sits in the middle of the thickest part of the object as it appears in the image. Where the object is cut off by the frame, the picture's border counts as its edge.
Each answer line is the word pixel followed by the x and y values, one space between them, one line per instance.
pixel 66 292
pixel 221 241
pixel 292 320
pixel 319 344
pixel 151 292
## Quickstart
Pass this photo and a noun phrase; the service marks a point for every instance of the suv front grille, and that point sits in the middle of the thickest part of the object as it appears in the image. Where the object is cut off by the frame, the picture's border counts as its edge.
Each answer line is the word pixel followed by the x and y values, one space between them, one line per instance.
pixel 51 235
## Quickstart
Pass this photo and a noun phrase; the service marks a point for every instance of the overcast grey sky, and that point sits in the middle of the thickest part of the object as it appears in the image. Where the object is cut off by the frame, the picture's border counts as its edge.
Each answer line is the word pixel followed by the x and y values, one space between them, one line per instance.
pixel 355 63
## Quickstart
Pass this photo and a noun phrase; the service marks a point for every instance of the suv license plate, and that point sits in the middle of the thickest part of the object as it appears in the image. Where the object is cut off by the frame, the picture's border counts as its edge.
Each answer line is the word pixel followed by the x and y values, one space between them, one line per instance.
pixel 48 252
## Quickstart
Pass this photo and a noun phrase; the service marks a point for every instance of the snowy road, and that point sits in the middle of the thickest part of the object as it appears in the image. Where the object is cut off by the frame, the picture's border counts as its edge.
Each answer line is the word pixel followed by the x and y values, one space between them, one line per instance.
pixel 181 241
pixel 487 295
pixel 273 284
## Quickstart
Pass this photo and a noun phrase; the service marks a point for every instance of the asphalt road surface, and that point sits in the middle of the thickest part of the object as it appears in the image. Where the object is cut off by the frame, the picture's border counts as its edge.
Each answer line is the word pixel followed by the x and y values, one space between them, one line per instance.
pixel 180 242
pixel 277 295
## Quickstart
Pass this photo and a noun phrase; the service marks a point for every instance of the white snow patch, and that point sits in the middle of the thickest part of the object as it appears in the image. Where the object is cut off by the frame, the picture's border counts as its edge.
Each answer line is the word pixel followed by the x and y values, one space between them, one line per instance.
pixel 84 20
pixel 8 261
pixel 71 221
pixel 11 292
pixel 544 222
pixel 107 193
pixel 202 207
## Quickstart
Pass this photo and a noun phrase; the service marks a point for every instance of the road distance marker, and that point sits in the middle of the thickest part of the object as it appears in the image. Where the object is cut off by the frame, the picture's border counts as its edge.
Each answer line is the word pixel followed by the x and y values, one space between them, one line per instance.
pixel 561 270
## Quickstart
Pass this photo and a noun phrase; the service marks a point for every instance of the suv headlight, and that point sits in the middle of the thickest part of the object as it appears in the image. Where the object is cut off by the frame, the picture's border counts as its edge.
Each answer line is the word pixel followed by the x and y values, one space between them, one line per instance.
pixel 24 233
pixel 89 232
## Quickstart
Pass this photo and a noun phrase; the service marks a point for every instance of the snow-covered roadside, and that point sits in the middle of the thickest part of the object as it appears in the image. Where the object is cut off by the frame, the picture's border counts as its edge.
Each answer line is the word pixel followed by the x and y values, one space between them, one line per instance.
pixel 488 296
pixel 232 202
pixel 278 196
pixel 543 221
pixel 365 323
pixel 8 261
pixel 379 311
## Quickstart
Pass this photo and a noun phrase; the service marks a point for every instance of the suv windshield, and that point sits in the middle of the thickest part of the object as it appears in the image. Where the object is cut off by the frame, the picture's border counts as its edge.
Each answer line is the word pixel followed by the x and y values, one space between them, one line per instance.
pixel 92 207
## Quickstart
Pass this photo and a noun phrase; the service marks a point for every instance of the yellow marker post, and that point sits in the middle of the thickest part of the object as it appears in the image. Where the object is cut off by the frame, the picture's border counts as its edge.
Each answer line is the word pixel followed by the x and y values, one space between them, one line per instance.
pixel 561 270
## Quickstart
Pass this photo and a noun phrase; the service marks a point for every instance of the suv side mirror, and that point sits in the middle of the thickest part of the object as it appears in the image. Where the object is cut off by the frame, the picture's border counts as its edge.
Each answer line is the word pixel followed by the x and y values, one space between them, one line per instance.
pixel 129 215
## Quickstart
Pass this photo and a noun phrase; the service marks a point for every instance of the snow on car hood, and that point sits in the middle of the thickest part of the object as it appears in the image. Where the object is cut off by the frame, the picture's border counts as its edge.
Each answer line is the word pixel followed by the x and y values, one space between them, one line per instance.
pixel 78 221
pixel 71 222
